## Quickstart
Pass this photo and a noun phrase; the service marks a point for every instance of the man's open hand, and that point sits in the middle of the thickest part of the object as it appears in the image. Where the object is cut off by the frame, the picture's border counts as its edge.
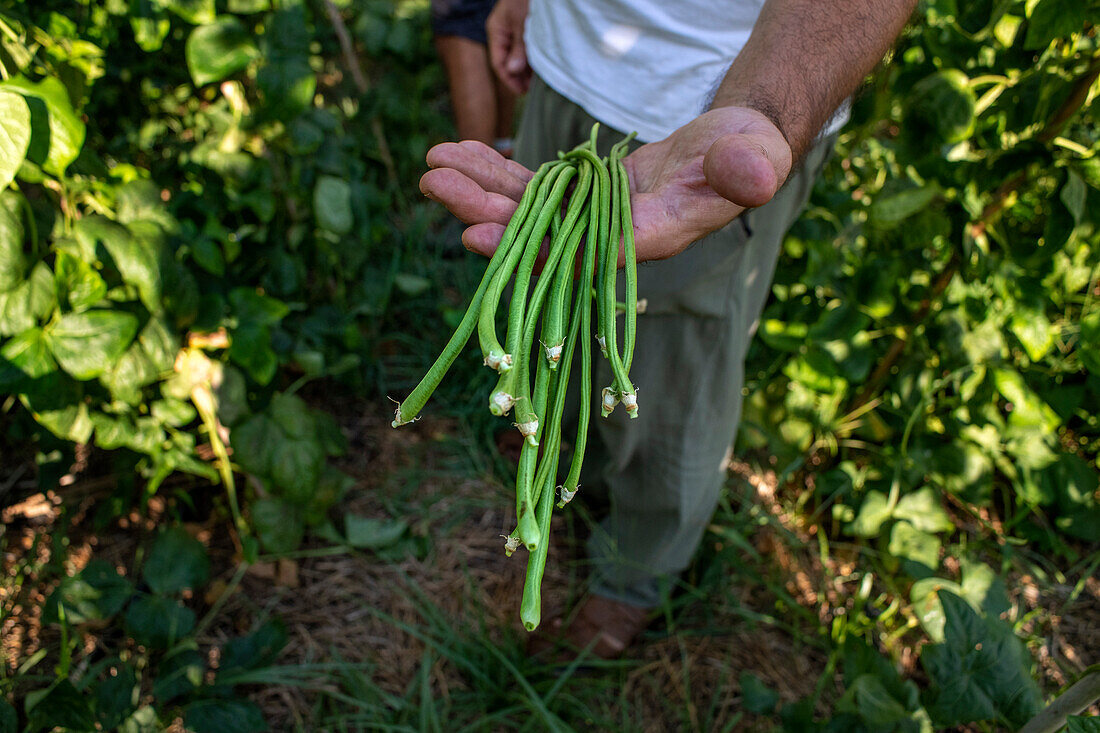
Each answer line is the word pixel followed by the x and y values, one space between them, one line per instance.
pixel 693 182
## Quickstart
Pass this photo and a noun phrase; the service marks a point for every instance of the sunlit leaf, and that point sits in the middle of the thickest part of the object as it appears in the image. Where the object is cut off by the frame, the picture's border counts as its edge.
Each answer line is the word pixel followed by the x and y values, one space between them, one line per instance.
pixel 57 132
pixel 218 50
pixel 15 135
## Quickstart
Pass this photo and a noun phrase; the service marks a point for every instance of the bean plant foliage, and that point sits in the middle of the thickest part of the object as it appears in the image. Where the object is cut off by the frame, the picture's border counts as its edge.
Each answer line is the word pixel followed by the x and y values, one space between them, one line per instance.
pixel 206 204
pixel 934 326
pixel 930 357
pixel 179 245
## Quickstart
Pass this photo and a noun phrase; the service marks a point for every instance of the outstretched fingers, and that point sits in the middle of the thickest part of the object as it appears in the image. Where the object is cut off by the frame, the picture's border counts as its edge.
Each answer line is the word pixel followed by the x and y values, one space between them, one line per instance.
pixel 480 163
pixel 465 198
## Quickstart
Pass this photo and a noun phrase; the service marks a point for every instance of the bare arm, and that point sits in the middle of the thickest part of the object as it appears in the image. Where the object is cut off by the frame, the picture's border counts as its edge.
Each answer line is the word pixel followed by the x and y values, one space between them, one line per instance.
pixel 802 59
pixel 805 57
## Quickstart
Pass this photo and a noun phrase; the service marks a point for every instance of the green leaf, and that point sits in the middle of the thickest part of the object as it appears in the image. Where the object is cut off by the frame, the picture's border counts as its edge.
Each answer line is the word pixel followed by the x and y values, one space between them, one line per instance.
pixel 176 413
pixel 245 7
pixel 31 301
pixel 1028 409
pixel 868 697
pixel 116 696
pixel 288 85
pixel 1050 19
pixel 9 719
pixel 56 402
pixel 817 371
pixel 13 263
pixel 940 109
pixel 873 512
pixel 371 533
pixel 134 251
pixel 195 12
pixel 87 344
pixel 114 432
pixel 1079 724
pixel 1034 331
pixel 218 50
pixel 980 671
pixel 208 255
pixel 224 716
pixel 127 376
pixel 254 309
pixel 160 343
pixel 331 488
pixel 140 200
pixel 158 622
pixel 149 23
pixel 57 133
pixel 332 204
pixel 61 707
pixel 179 673
pixel 983 589
pixel 95 593
pixel 890 210
pixel 1073 481
pixel 296 468
pixel 757 697
pixel 292 415
pixel 29 354
pixel 258 649
pixel 250 349
pixel 909 543
pixel 176 562
pixel 1073 195
pixel 78 284
pixel 922 509
pixel 15 135
pixel 278 523
pixel 1088 348
pixel 783 335
pixel 255 443
pixel 232 396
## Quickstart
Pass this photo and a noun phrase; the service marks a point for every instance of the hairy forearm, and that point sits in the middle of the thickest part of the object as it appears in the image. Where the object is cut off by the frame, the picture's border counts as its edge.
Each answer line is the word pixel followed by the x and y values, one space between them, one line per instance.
pixel 805 57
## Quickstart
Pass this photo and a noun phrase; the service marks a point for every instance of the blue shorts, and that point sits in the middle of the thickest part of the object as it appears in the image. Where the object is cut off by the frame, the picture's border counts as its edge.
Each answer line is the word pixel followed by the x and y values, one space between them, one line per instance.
pixel 463 18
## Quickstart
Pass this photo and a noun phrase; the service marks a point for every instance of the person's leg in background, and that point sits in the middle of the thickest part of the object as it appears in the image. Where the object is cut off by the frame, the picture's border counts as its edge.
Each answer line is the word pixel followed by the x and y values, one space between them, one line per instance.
pixel 483 108
pixel 663 470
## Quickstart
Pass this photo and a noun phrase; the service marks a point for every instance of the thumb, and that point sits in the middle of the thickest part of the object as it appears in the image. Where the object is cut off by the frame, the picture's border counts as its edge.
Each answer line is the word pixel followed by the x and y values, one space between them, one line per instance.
pixel 747 168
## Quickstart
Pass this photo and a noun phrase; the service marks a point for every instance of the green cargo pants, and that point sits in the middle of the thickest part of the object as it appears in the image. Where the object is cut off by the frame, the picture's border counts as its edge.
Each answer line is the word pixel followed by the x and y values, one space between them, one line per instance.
pixel 663 471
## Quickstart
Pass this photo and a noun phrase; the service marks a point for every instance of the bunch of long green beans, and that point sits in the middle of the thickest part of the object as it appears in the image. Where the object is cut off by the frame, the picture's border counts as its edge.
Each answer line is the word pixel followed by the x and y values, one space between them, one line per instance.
pixel 596 211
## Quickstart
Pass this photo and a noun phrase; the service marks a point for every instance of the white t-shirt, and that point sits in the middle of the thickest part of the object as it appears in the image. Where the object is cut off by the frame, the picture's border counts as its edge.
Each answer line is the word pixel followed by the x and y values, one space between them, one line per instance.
pixel 642 65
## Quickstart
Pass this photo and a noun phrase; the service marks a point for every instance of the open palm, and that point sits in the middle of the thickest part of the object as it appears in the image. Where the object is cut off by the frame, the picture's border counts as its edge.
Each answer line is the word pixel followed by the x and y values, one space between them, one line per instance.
pixel 683 187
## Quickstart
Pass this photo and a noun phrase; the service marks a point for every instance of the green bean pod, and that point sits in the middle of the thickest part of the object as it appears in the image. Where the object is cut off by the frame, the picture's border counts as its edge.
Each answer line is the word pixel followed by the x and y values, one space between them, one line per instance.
pixel 530 609
pixel 527 526
pixel 621 387
pixel 521 224
pixel 630 268
pixel 583 308
pixel 575 222
pixel 520 339
pixel 518 377
pixel 601 193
